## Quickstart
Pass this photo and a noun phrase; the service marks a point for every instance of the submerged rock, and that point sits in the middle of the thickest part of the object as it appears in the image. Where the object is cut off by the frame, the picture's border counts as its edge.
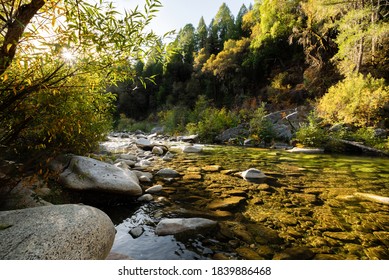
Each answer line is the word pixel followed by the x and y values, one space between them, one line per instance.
pixel 181 226
pixel 248 254
pixel 227 203
pixel 60 232
pixel 373 198
pixel 167 173
pixel 296 253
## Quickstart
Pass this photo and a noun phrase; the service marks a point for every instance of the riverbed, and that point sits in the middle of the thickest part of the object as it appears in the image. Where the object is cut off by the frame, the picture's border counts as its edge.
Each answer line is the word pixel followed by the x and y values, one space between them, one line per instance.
pixel 306 208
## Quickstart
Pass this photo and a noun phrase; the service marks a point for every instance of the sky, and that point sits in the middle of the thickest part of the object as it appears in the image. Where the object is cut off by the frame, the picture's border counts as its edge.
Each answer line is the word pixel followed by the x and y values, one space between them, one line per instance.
pixel 175 14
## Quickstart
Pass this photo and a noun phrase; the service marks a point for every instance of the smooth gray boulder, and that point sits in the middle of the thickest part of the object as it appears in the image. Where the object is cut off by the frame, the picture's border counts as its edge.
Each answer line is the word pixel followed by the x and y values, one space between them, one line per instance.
pixel 241 131
pixel 252 174
pixel 168 173
pixel 154 189
pixel 144 143
pixel 192 149
pixel 58 232
pixel 182 226
pixel 85 173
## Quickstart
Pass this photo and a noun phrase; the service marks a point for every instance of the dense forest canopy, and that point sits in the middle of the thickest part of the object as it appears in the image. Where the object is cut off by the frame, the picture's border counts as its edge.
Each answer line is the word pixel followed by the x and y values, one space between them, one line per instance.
pixel 65 64
pixel 282 52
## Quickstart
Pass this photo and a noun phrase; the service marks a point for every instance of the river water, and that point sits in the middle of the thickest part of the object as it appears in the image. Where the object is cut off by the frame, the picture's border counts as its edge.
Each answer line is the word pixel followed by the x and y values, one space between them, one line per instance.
pixel 307 207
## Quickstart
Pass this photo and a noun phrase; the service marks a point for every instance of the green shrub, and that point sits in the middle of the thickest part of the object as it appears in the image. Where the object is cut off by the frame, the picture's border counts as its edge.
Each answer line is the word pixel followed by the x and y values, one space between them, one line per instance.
pixel 200 108
pixel 213 121
pixel 69 118
pixel 261 128
pixel 174 120
pixel 367 136
pixel 312 134
pixel 124 124
pixel 130 125
pixel 356 100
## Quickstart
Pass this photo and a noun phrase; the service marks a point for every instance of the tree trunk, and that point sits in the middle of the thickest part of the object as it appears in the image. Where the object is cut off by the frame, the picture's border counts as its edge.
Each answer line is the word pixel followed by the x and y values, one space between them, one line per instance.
pixel 15 29
pixel 360 55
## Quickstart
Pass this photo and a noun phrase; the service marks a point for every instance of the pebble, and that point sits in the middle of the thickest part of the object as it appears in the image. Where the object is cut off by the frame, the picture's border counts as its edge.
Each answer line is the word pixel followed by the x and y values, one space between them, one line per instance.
pixel 136 232
pixel 145 198
pixel 154 189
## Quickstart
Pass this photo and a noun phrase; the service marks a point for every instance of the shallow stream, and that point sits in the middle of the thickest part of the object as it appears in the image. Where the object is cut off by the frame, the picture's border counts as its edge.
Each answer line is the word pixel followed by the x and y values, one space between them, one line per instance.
pixel 307 208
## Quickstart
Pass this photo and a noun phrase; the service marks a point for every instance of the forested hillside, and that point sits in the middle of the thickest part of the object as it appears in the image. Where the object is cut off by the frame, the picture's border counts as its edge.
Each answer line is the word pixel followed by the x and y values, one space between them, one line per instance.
pixel 63 64
pixel 284 53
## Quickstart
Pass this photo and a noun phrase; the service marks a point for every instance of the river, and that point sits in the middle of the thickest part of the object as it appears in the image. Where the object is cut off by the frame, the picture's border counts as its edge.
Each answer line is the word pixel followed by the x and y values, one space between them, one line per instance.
pixel 307 207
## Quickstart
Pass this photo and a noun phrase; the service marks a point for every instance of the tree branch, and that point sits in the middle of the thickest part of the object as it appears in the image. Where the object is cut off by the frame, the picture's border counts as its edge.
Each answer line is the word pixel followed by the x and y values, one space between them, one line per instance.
pixel 15 30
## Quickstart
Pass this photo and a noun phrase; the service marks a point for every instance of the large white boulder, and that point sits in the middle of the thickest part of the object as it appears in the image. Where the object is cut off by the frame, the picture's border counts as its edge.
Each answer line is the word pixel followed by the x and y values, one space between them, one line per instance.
pixel 85 173
pixel 57 232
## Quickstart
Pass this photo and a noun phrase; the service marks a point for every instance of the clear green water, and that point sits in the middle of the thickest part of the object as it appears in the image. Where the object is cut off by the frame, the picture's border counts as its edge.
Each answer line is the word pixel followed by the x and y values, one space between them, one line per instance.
pixel 305 209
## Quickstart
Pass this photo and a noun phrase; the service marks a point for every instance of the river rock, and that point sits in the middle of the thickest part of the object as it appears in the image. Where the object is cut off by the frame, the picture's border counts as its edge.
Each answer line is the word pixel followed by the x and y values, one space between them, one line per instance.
pixel 168 156
pixel 130 157
pixel 21 196
pixel 154 189
pixel 306 150
pixel 145 198
pixel 183 226
pixel 264 235
pixel 136 231
pixel 60 232
pixel 227 203
pixel 383 236
pixel 343 236
pixel 192 176
pixel 192 149
pixel 144 144
pixel 125 164
pixel 282 131
pixel 211 168
pixel 253 174
pixel 89 174
pixel 59 163
pixel 248 254
pixel 167 173
pixel 240 131
pixel 295 253
pixel 373 197
pixel 189 138
pixel 377 253
pixel 157 151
